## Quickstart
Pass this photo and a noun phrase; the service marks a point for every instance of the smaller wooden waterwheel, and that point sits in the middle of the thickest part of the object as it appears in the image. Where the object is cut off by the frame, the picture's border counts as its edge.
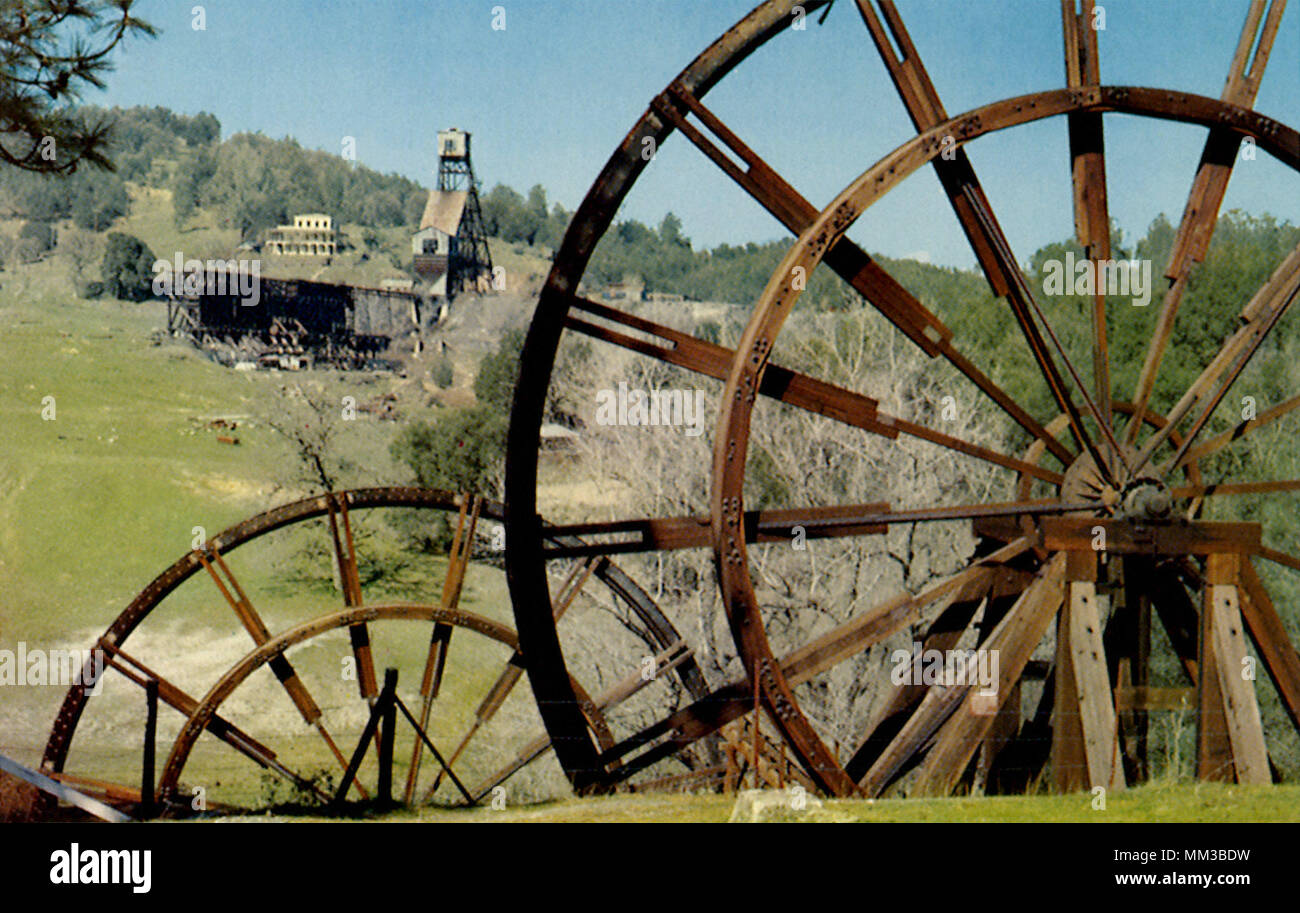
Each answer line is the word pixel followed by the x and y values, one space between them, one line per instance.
pixel 286 718
pixel 1101 532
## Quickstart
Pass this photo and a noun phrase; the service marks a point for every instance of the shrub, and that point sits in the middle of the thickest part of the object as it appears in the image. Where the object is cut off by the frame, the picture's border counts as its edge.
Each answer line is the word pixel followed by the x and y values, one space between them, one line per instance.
pixel 34 239
pixel 128 267
pixel 442 372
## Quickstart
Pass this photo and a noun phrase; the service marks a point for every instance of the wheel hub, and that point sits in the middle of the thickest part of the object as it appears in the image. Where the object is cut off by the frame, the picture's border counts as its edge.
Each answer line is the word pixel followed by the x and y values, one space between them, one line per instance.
pixel 1146 500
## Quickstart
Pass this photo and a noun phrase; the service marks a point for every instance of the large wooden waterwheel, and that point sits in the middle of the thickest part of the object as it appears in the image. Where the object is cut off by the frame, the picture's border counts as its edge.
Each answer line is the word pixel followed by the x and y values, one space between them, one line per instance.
pixel 1102 530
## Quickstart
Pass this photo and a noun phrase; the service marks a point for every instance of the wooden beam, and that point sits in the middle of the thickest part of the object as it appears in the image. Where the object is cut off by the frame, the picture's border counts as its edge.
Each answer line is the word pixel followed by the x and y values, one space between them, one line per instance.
pixel 1126 537
pixel 1149 698
pixel 1097 723
pixel 1230 736
pixel 1014 638
pixel 64 793
pixel 1270 637
pixel 944 633
pixel 1222 623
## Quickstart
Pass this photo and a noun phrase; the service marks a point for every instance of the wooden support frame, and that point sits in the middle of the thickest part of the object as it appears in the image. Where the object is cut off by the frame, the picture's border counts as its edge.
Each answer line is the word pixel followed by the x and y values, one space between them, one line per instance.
pixel 1085 732
pixel 1015 638
pixel 1271 641
pixel 1230 734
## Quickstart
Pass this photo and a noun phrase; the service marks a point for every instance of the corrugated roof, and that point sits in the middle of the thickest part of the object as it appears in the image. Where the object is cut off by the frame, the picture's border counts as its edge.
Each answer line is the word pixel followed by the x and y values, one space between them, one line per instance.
pixel 443 211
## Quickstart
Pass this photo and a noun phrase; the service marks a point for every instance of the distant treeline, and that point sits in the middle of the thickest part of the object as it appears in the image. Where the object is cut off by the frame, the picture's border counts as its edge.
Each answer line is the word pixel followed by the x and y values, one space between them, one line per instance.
pixel 250 181
pixel 663 258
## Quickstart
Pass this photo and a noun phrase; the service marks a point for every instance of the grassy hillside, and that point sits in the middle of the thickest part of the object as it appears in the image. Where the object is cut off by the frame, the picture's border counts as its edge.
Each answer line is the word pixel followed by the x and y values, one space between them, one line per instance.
pixel 203 237
pixel 97 501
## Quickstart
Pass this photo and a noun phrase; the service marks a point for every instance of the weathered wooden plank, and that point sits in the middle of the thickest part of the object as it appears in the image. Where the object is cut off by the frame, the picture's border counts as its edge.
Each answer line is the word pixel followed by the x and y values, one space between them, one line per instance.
pixel 1124 537
pixel 1213 748
pixel 1270 637
pixel 64 793
pixel 1097 720
pixel 1146 697
pixel 1014 638
pixel 1240 707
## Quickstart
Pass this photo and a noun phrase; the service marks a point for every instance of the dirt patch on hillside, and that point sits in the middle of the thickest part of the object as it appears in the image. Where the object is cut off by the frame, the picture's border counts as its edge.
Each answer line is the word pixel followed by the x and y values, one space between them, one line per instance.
pixel 227 488
pixel 476 322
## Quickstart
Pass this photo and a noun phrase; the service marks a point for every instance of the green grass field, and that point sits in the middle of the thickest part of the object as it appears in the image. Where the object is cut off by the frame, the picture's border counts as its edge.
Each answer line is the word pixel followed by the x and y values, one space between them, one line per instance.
pixel 106 470
pixel 1199 802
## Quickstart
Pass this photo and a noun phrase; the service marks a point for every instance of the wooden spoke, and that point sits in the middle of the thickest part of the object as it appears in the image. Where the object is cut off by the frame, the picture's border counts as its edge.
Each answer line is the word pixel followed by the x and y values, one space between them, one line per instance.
pixel 857 634
pixel 1259 316
pixel 783 384
pixel 735 699
pixel 975 450
pixel 714 361
pixel 927 111
pixel 957 615
pixel 257 629
pixel 941 702
pixel 487 709
pixel 462 546
pixel 1023 302
pixel 1278 557
pixel 1211 183
pixel 176 698
pixel 1088 173
pixel 1010 406
pixel 1208 188
pixel 975 214
pixel 345 557
pixel 977 606
pixel 1238 431
pixel 1259 325
pixel 1155 352
pixel 280 665
pixel 778 197
pixel 670 533
pixel 1014 639
pixel 514 667
pixel 665 661
pixel 854 265
pixel 938 704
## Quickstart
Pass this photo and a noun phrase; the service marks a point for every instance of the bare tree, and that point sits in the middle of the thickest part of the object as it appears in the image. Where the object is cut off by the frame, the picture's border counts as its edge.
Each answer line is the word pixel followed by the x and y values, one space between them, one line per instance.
pixel 309 421
pixel 796 459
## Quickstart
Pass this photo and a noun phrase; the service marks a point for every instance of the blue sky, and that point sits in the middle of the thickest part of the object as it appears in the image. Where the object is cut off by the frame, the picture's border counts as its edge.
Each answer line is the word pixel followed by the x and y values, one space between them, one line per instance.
pixel 549 97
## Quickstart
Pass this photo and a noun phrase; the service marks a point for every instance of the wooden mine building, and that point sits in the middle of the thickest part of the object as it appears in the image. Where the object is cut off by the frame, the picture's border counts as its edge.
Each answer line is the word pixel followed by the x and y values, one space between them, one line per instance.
pixel 450 248
pixel 296 323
